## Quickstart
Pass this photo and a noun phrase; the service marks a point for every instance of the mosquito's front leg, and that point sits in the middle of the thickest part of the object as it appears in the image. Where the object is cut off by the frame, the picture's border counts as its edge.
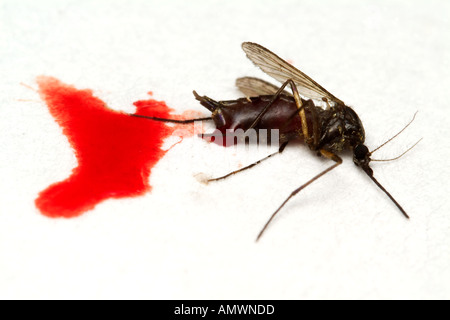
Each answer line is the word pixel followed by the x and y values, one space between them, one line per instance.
pixel 170 120
pixel 325 153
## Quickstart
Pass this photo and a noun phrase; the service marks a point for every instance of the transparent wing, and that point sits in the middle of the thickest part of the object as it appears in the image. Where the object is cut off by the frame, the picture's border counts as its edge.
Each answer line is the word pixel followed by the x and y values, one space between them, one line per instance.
pixel 280 70
pixel 253 87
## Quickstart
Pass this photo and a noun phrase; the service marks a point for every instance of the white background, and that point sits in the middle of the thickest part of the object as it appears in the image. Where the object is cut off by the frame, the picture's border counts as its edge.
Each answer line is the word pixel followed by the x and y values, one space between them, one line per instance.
pixel 340 238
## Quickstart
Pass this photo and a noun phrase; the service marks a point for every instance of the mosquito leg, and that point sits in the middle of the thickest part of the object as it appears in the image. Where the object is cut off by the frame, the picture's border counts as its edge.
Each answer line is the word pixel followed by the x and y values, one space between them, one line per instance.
pixel 300 108
pixel 297 98
pixel 326 154
pixel 310 140
pixel 255 122
pixel 280 150
pixel 170 120
pixel 301 111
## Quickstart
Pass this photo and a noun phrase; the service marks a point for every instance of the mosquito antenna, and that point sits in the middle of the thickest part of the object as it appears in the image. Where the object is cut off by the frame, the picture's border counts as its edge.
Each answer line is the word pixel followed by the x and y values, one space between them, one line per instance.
pixel 398 157
pixel 170 120
pixel 396 134
pixel 369 172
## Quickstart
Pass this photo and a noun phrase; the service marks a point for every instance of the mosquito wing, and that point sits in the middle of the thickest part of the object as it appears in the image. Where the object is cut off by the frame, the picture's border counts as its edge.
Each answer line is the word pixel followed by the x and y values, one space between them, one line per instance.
pixel 280 70
pixel 253 87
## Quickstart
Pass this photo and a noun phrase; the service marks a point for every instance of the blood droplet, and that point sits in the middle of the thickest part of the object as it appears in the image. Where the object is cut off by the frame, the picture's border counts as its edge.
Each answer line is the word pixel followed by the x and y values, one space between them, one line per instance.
pixel 115 152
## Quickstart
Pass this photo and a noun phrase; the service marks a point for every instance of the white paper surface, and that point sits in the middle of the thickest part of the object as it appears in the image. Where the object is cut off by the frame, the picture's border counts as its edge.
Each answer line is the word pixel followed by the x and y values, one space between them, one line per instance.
pixel 339 238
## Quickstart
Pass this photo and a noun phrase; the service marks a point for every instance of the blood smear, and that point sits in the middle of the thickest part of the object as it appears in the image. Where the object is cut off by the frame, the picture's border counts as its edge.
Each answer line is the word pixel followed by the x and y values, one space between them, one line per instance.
pixel 115 152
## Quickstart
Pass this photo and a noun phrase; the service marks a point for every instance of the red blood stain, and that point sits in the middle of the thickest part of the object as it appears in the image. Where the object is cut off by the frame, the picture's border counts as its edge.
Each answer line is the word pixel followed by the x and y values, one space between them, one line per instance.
pixel 115 151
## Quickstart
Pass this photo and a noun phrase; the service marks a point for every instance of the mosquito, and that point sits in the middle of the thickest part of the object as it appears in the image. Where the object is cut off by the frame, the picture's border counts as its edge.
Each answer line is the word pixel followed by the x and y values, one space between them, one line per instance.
pixel 327 130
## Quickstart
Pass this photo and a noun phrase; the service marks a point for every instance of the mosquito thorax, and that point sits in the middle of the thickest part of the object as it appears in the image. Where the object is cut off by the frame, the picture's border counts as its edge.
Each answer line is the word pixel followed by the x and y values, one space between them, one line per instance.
pixel 341 129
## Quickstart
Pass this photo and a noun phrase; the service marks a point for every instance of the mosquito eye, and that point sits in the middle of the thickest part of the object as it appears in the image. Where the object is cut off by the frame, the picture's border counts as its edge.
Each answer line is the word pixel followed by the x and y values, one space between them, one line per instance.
pixel 360 151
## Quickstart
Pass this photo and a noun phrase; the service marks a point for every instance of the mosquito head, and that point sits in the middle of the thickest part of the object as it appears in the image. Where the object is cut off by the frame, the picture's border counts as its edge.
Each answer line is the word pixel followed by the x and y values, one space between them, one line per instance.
pixel 361 157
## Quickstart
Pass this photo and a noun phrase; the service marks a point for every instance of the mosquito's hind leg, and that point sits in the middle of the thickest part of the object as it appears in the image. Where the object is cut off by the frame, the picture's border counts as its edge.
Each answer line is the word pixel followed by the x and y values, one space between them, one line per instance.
pixel 280 150
pixel 297 98
pixel 326 154
pixel 309 139
pixel 170 120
